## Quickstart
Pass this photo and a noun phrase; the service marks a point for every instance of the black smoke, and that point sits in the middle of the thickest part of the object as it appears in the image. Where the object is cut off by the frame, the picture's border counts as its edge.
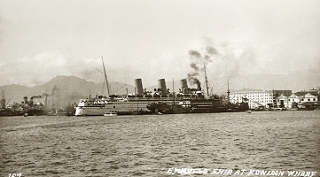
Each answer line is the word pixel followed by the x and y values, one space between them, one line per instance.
pixel 194 80
pixel 37 96
pixel 198 61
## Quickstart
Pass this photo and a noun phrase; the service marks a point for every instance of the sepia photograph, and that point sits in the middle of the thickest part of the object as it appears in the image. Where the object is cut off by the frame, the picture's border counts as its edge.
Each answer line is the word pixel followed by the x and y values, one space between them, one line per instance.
pixel 151 88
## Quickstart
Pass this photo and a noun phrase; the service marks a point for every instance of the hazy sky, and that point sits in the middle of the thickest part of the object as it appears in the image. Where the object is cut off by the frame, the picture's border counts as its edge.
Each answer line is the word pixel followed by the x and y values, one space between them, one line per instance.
pixel 153 39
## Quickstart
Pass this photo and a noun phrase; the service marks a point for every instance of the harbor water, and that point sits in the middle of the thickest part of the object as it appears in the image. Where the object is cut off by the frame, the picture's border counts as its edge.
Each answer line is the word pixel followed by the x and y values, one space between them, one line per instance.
pixel 161 145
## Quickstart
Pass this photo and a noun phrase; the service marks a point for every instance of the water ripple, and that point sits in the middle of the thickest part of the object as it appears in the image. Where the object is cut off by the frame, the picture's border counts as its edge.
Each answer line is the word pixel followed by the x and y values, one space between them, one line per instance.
pixel 150 145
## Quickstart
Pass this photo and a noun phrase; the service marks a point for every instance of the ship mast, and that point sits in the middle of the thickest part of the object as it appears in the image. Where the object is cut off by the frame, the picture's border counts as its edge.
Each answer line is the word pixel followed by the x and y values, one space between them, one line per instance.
pixel 46 100
pixel 174 98
pixel 106 78
pixel 228 92
pixel 205 73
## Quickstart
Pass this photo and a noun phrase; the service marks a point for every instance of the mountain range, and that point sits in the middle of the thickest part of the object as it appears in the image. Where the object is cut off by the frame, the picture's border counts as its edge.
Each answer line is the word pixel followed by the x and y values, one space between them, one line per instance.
pixel 62 89
pixel 69 89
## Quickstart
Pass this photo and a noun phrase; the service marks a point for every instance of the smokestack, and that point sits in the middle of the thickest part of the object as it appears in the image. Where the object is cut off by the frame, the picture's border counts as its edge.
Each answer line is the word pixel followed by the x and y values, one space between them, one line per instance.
pixel 198 84
pixel 193 80
pixel 2 104
pixel 139 87
pixel 184 86
pixel 162 85
pixel 3 101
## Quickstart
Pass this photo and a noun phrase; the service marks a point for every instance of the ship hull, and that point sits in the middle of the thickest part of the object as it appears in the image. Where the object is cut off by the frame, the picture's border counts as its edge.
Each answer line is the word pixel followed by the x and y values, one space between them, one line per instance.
pixel 193 106
pixel 121 108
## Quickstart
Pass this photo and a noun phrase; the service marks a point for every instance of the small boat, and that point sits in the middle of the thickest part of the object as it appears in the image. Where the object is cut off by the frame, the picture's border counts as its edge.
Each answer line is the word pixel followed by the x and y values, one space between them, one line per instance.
pixel 110 114
pixel 279 109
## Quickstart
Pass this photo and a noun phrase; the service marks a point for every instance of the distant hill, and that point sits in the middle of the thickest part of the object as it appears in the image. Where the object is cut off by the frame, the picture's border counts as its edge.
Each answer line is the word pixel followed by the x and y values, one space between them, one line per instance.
pixel 245 89
pixel 63 89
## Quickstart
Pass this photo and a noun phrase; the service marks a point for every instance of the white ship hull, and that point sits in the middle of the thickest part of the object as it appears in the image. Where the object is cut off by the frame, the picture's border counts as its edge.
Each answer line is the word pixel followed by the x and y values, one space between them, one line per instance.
pixel 117 107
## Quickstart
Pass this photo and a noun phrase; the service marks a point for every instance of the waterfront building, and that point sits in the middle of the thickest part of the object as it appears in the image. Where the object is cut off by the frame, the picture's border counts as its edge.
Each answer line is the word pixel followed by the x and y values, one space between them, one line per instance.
pixel 261 99
pixel 308 99
pixel 293 100
pixel 257 99
pixel 280 98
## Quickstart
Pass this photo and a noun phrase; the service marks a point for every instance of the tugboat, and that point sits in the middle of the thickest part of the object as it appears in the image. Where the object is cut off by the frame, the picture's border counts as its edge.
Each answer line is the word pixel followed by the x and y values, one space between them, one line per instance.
pixel 31 109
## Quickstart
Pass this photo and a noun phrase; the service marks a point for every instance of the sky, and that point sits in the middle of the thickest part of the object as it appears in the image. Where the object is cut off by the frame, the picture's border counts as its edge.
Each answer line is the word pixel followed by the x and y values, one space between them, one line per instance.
pixel 153 40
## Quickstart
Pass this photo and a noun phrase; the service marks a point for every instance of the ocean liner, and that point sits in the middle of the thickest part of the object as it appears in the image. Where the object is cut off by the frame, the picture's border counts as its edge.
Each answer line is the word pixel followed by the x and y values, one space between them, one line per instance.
pixel 129 104
pixel 123 105
pixel 187 100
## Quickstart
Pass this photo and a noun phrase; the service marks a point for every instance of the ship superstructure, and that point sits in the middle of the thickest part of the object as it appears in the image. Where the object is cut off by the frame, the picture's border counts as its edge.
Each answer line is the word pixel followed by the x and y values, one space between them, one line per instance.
pixel 129 104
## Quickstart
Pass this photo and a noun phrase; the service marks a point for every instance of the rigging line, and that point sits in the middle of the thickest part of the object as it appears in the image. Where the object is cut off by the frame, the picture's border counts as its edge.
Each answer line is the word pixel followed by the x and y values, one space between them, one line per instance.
pixel 116 90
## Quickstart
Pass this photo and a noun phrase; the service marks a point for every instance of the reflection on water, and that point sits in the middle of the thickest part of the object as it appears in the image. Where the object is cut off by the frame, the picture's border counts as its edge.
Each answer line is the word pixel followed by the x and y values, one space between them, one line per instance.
pixel 151 144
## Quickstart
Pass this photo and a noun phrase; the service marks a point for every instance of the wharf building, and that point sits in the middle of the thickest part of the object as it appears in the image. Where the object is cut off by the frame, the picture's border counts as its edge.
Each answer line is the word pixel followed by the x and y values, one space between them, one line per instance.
pixel 262 99
pixel 307 99
pixel 258 99
pixel 304 99
pixel 280 98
